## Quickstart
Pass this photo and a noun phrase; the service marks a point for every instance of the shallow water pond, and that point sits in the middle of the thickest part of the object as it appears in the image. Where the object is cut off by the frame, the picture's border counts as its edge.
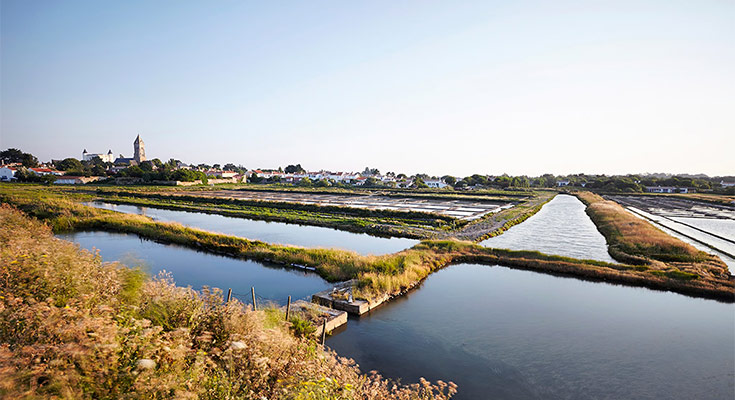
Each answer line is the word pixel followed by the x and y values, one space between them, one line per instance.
pixel 189 267
pixel 509 334
pixel 561 228
pixel 271 232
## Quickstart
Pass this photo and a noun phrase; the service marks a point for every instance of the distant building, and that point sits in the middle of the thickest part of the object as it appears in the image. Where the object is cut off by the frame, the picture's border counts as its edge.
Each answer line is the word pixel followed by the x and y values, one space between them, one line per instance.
pixel 45 171
pixel 435 183
pixel 104 157
pixel 214 173
pixel 661 189
pixel 75 180
pixel 727 184
pixel 7 173
pixel 562 183
pixel 138 154
pixel 138 150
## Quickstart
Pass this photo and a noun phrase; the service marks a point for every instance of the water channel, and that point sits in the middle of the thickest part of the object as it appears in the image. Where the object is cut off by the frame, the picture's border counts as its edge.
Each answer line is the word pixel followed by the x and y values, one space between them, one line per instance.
pixel 509 334
pixel 561 227
pixel 272 282
pixel 271 232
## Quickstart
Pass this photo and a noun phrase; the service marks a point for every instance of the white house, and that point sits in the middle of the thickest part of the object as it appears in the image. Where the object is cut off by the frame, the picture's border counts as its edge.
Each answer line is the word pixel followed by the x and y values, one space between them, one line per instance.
pixel 213 173
pixel 7 173
pixel 660 189
pixel 45 171
pixel 562 183
pixel 435 183
pixel 104 157
pixel 727 184
pixel 75 180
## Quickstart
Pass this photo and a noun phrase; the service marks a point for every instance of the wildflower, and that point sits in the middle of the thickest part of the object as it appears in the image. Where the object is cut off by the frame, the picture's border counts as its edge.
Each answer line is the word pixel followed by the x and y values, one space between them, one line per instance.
pixel 237 345
pixel 145 363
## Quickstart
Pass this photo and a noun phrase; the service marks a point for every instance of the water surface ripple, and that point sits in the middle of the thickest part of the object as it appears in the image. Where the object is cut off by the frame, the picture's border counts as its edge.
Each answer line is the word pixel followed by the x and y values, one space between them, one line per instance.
pixel 271 232
pixel 561 227
pixel 509 334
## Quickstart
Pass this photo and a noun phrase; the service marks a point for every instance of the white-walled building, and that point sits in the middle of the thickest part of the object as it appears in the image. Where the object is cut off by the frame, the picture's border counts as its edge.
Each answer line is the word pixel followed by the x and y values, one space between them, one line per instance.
pixel 76 180
pixel 435 183
pixel 45 171
pixel 104 157
pixel 7 173
pixel 661 189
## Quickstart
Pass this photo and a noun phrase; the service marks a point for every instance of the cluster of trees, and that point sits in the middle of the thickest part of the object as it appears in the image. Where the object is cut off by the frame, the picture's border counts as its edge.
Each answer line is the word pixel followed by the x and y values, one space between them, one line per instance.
pixel 156 170
pixel 294 169
pixel 25 175
pixel 11 156
pixel 93 167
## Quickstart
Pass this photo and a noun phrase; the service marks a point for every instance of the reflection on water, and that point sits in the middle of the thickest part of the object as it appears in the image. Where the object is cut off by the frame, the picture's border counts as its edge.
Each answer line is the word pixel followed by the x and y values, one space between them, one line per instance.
pixel 271 232
pixel 191 268
pixel 561 227
pixel 507 334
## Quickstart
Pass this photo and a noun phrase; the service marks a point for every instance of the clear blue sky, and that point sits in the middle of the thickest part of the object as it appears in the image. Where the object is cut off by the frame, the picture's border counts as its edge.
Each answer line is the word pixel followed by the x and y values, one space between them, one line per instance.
pixel 455 87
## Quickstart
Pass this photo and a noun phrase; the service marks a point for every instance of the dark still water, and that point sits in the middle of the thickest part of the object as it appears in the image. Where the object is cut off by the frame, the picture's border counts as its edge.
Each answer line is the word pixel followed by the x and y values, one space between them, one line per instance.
pixel 271 232
pixel 561 227
pixel 508 334
pixel 196 269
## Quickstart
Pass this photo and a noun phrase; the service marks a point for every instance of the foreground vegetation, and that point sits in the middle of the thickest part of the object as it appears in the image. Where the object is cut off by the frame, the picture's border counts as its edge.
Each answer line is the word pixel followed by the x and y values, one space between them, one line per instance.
pixel 378 276
pixel 74 327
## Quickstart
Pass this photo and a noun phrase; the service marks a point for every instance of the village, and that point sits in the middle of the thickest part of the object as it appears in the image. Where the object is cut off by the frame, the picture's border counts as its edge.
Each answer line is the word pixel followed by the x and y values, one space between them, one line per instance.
pixel 16 166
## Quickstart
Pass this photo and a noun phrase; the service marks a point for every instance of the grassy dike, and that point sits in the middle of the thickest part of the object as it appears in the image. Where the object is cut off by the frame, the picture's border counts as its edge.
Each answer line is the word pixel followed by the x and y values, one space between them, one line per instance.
pixel 377 276
pixel 415 225
pixel 635 241
pixel 74 327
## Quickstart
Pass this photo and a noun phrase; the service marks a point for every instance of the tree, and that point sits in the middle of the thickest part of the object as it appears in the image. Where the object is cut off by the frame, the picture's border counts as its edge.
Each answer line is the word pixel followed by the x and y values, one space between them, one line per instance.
pixel 370 182
pixel 520 181
pixel 294 169
pixel 503 181
pixel 69 164
pixel 134 171
pixel 17 156
pixel 449 180
pixel 254 178
pixel 99 170
pixel 419 183
pixel 370 171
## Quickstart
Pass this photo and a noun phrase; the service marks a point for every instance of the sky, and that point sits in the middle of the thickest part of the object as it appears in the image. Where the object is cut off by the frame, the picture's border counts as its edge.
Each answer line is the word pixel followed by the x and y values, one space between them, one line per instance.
pixel 437 87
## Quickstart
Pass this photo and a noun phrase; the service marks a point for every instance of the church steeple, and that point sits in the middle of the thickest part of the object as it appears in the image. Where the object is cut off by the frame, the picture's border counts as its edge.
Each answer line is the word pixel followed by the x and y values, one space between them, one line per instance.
pixel 138 150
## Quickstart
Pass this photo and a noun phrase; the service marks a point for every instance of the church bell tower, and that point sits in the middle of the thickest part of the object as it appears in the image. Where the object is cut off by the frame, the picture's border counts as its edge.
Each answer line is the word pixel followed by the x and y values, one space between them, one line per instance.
pixel 138 150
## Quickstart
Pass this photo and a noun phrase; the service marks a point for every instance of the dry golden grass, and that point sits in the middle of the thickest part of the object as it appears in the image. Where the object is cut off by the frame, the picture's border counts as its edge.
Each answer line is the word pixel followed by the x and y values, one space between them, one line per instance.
pixel 74 327
pixel 634 236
